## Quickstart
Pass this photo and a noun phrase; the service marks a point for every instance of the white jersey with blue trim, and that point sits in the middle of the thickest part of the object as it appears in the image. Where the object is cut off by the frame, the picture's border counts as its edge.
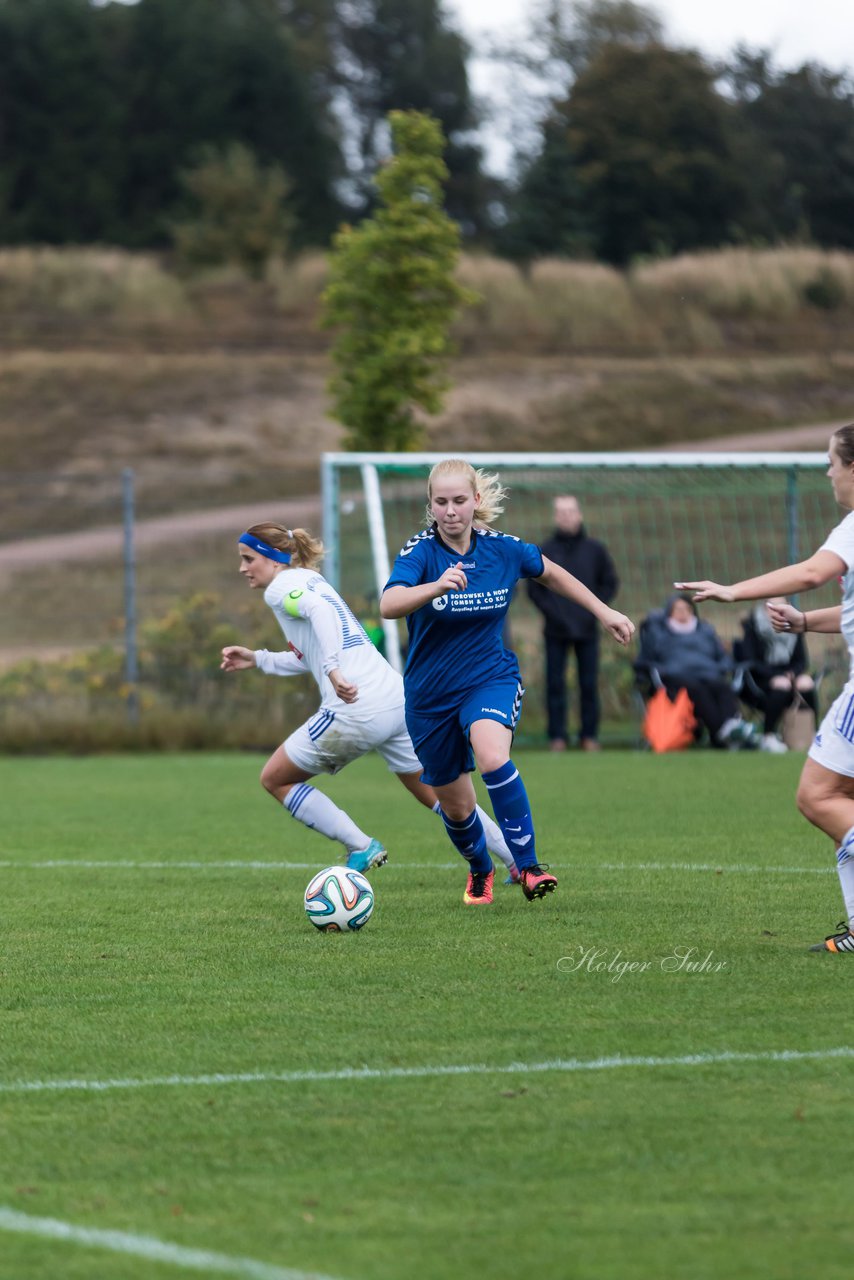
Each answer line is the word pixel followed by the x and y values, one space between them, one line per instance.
pixel 324 633
pixel 841 542
pixel 455 641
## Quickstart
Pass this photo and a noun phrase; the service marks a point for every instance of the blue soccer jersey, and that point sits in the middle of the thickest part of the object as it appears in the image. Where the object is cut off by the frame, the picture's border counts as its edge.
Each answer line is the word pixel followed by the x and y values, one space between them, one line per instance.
pixel 455 641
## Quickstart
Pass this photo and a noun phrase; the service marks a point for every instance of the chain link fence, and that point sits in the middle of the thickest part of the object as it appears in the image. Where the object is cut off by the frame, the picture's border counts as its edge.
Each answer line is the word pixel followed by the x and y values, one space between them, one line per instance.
pixel 113 615
pixel 112 619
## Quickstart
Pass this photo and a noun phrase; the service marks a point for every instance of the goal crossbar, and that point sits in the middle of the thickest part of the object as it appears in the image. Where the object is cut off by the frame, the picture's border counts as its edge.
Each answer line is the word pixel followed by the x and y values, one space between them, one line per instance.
pixel 366 473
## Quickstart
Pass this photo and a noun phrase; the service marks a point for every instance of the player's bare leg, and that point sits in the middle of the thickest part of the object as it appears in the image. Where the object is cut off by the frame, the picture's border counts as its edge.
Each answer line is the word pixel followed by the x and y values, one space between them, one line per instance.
pixel 495 842
pixel 289 784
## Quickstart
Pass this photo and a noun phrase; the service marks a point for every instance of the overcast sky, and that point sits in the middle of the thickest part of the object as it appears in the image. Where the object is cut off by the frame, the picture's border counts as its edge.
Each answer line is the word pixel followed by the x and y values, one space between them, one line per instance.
pixel 794 31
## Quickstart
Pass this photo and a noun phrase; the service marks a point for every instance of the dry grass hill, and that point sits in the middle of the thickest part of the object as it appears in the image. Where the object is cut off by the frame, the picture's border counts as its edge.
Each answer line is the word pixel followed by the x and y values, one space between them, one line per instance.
pixel 214 390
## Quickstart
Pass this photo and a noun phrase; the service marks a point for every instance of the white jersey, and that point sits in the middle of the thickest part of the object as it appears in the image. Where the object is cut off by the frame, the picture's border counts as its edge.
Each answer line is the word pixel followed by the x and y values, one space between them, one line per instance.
pixel 323 634
pixel 841 542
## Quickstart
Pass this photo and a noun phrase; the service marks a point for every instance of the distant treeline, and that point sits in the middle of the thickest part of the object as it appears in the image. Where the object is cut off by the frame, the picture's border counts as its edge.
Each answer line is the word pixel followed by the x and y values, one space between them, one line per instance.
pixel 639 150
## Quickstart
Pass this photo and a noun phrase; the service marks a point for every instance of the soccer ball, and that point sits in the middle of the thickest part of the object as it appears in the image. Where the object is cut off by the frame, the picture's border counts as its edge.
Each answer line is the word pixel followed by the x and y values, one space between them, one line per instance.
pixel 338 899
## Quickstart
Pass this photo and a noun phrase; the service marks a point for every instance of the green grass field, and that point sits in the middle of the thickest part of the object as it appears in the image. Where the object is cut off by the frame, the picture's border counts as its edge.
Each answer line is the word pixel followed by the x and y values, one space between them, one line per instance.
pixel 175 1038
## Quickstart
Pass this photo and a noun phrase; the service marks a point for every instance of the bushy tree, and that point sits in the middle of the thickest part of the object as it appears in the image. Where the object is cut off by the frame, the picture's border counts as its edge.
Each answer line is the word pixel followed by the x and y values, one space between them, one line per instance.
pixel 547 216
pixel 572 35
pixel 103 106
pixel 62 124
pixel 405 55
pixel 797 133
pixel 211 72
pixel 392 296
pixel 238 211
pixel 560 39
pixel 652 142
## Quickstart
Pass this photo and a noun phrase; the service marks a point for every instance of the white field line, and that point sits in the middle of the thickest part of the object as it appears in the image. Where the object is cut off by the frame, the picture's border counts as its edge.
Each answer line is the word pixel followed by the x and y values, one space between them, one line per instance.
pixel 130 864
pixel 560 1065
pixel 148 1247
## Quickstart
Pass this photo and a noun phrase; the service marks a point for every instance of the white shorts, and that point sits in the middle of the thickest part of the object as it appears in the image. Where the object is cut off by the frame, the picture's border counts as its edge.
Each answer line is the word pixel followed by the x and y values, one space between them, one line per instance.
pixel 833 745
pixel 331 739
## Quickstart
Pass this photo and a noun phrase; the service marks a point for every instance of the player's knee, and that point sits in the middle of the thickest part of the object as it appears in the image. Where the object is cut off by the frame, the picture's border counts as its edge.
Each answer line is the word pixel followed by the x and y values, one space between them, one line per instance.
pixel 458 812
pixel 490 760
pixel 268 779
pixel 802 800
pixel 809 802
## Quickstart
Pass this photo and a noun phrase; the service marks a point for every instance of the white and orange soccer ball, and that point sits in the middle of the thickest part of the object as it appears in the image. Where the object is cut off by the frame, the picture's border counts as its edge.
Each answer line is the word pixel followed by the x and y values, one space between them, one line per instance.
pixel 339 899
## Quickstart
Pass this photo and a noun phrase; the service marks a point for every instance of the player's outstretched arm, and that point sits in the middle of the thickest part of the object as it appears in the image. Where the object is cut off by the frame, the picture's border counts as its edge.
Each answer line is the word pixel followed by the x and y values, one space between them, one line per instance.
pixel 283 663
pixel 706 590
pixel 565 584
pixel 815 572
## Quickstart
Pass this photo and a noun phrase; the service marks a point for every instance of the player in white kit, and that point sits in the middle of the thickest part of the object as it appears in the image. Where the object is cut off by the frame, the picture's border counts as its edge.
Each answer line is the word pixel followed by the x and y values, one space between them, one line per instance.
pixel 362 702
pixel 826 789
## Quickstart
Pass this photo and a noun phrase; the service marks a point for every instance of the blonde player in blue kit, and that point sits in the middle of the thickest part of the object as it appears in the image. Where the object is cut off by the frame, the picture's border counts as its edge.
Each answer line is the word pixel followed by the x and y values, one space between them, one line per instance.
pixel 453 583
pixel 361 706
pixel 826 788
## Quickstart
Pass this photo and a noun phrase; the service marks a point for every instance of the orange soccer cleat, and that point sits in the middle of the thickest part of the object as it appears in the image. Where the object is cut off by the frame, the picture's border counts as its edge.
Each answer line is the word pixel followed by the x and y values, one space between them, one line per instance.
pixel 479 888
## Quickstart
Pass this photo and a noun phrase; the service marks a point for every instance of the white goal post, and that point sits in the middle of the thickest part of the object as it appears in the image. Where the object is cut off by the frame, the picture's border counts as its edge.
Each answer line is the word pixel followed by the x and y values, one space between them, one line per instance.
pixel 773 508
pixel 661 514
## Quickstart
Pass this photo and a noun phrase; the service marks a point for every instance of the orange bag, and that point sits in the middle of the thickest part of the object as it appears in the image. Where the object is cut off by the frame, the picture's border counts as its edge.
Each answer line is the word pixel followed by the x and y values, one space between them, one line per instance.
pixel 669 726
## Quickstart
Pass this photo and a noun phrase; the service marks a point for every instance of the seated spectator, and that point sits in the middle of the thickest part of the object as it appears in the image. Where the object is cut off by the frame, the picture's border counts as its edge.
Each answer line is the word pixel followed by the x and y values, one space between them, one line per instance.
pixel 776 672
pixel 680 651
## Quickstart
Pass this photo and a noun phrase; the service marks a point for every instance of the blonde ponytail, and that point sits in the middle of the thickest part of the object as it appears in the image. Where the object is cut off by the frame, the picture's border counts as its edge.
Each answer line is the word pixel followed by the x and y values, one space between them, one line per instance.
pixel 306 552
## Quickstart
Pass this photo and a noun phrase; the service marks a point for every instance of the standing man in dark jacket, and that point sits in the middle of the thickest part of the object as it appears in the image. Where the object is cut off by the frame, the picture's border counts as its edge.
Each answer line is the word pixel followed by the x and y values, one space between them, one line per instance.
pixel 567 626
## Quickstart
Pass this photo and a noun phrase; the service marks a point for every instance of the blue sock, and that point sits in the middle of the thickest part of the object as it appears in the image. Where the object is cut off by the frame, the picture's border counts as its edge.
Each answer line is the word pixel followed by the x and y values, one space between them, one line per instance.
pixel 469 838
pixel 512 811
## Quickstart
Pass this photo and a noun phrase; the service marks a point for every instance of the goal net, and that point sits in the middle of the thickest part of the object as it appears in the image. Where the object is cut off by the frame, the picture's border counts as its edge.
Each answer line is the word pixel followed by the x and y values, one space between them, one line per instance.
pixel 664 517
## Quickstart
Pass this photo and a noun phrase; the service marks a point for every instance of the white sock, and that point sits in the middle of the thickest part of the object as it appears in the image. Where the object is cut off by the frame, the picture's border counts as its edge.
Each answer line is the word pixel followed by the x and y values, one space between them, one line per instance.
pixel 845 868
pixel 495 841
pixel 319 813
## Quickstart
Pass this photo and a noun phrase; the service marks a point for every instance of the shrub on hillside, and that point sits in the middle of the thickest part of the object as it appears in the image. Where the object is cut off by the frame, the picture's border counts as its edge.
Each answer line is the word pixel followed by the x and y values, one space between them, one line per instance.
pixel 66 285
pixel 238 212
pixel 82 702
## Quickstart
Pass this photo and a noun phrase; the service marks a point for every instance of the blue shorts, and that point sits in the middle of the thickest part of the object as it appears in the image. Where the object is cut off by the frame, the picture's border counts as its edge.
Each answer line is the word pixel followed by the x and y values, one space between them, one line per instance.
pixel 442 742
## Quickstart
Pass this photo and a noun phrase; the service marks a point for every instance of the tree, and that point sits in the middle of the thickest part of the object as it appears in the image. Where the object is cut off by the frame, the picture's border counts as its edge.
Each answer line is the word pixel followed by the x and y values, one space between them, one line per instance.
pixel 799 129
pixel 547 216
pixel 62 121
pixel 562 38
pixel 573 35
pixel 212 72
pixel 238 211
pixel 392 295
pixel 403 55
pixel 652 142
pixel 311 26
pixel 102 107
